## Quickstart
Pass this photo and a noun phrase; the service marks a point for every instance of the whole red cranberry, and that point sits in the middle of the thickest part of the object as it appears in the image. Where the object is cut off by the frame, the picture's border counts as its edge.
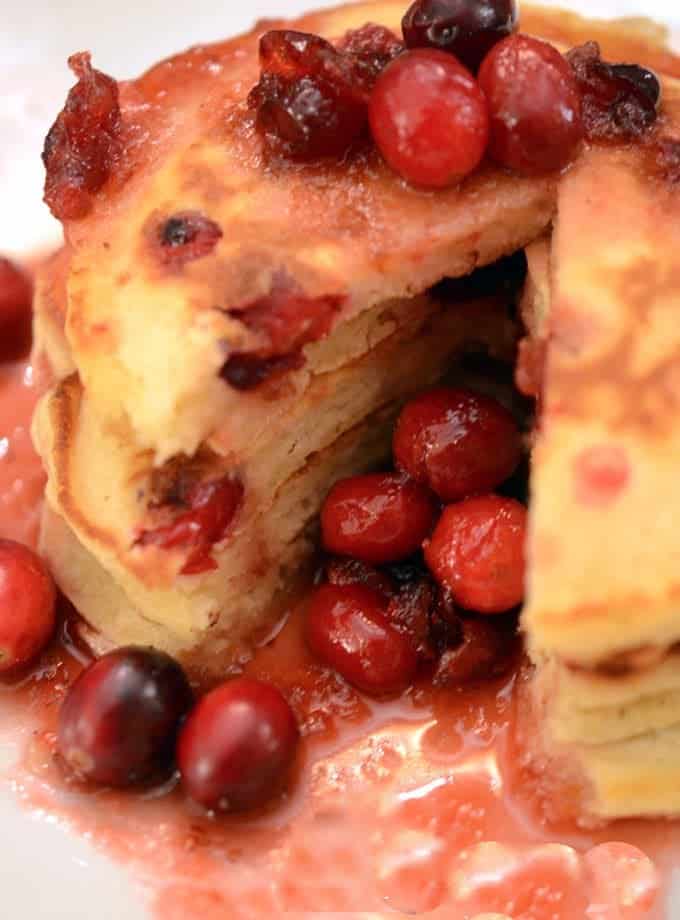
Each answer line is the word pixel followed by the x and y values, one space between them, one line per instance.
pixel 120 719
pixel 429 118
pixel 348 630
pixel 370 49
pixel 477 552
pixel 16 296
pixel 483 652
pixel 377 518
pixel 534 106
pixel 237 746
pixel 457 442
pixel 27 605
pixel 466 28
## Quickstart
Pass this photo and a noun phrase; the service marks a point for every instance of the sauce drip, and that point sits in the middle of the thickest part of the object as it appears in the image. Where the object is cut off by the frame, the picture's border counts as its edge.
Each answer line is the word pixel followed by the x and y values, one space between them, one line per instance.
pixel 410 806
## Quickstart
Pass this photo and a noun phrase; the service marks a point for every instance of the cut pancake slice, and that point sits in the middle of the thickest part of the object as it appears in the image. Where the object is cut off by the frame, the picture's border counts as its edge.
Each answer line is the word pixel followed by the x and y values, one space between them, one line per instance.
pixel 603 608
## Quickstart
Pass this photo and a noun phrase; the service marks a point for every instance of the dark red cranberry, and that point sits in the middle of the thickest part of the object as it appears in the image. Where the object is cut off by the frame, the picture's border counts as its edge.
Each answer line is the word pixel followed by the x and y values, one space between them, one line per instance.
pixel 347 629
pixel 620 101
pixel 237 746
pixel 187 236
pixel 421 613
pixel 308 102
pixel 83 144
pixel 119 721
pixel 457 442
pixel 27 605
pixel 211 508
pixel 534 106
pixel 16 296
pixel 477 552
pixel 466 28
pixel 371 48
pixel 429 118
pixel 354 572
pixel 248 372
pixel 377 518
pixel 483 652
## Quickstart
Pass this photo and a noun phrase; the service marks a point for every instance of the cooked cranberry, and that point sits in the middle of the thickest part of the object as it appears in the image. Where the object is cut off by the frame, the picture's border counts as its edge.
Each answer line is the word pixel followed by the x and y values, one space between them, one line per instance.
pixel 466 28
pixel 27 605
pixel 377 518
pixel 371 47
pixel 247 372
pixel 187 236
pixel 429 118
pixel 16 295
pixel 534 105
pixel 421 613
pixel 83 144
pixel 237 746
pixel 119 721
pixel 211 508
pixel 457 442
pixel 347 629
pixel 308 101
pixel 620 101
pixel 483 652
pixel 355 572
pixel 477 552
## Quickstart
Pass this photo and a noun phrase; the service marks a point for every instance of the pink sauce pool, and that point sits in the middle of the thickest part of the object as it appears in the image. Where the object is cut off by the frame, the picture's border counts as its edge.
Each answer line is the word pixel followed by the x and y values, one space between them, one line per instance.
pixel 409 806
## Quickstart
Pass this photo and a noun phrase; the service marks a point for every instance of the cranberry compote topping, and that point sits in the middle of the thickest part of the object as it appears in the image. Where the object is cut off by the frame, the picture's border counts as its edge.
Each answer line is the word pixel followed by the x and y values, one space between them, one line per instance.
pixel 483 652
pixel 620 101
pixel 348 630
pixel 377 518
pixel 355 572
pixel 534 105
pixel 237 746
pixel 477 552
pixel 83 144
pixel 211 507
pixel 309 102
pixel 119 721
pixel 457 442
pixel 27 605
pixel 16 295
pixel 429 118
pixel 187 236
pixel 371 47
pixel 466 28
pixel 421 613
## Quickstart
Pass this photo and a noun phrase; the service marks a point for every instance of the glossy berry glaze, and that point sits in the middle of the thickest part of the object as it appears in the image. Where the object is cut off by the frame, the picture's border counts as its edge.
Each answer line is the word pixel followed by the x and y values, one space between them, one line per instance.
pixel 415 803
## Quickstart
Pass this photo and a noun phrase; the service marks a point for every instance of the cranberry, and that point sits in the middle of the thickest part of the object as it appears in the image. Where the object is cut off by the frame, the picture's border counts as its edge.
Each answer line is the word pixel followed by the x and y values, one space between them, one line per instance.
pixel 119 721
pixel 371 48
pixel 308 102
pixel 421 613
pixel 377 518
pixel 187 236
pixel 27 605
pixel 83 144
pixel 211 508
pixel 466 28
pixel 457 442
pixel 348 630
pixel 620 101
pixel 237 746
pixel 16 296
pixel 482 653
pixel 534 105
pixel 429 118
pixel 355 572
pixel 477 552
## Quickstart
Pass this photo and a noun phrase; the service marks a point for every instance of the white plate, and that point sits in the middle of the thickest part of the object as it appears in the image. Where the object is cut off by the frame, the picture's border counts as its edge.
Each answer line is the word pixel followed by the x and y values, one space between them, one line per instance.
pixel 45 872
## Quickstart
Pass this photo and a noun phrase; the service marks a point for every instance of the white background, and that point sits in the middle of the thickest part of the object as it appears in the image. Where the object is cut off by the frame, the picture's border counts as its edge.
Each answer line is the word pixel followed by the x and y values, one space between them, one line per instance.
pixel 44 873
